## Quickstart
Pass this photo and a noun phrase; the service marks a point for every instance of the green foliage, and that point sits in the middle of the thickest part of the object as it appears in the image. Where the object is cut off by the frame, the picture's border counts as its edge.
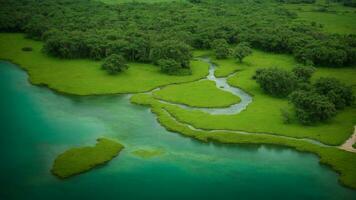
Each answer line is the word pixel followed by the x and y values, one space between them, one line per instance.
pixel 312 107
pixel 115 64
pixel 275 81
pixel 338 93
pixel 26 49
pixel 171 50
pixel 221 48
pixel 286 116
pixel 303 73
pixel 78 160
pixel 171 67
pixel 135 30
pixel 241 51
pixel 296 1
pixel 334 51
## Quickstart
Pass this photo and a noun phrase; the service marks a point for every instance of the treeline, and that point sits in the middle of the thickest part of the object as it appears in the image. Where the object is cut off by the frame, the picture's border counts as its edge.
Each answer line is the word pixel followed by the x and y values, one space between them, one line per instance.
pixel 165 33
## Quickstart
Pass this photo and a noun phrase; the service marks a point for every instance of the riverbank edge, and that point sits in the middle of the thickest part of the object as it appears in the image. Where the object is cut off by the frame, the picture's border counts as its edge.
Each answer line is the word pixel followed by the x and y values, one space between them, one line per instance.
pixel 340 161
pixel 64 92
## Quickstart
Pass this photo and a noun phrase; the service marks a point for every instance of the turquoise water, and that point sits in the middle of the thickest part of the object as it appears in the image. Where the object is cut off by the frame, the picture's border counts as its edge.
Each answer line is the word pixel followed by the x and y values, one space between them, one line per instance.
pixel 38 124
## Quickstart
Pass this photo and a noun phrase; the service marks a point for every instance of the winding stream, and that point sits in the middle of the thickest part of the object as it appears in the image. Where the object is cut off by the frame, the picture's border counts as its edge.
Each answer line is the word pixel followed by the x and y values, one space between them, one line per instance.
pixel 222 84
pixel 38 124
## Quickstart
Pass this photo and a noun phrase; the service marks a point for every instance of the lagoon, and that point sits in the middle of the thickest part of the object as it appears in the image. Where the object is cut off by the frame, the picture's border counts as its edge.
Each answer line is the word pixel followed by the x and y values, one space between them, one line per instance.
pixel 38 124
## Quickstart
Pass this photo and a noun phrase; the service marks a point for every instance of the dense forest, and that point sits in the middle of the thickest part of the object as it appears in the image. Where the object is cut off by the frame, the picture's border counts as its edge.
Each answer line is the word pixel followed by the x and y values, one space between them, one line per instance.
pixel 166 33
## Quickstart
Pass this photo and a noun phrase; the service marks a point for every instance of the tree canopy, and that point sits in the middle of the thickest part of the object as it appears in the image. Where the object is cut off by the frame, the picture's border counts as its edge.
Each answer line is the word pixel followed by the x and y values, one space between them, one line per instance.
pixel 140 31
pixel 276 82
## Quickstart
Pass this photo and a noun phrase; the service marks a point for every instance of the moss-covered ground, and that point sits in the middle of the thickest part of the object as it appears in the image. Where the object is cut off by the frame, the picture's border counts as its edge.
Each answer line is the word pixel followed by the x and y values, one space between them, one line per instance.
pixel 81 159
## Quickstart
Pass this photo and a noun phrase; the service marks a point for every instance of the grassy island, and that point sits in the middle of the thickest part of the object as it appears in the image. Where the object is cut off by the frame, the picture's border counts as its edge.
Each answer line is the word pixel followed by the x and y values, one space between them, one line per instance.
pixel 81 159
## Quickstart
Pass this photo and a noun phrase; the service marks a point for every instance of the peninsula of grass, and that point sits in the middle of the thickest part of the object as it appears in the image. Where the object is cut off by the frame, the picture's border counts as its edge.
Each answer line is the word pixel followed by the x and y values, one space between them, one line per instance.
pixel 81 159
pixel 339 160
pixel 197 94
pixel 83 76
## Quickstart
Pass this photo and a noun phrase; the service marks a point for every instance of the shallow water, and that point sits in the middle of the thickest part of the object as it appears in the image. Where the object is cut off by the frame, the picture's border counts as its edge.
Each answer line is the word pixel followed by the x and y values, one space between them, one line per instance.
pixel 37 124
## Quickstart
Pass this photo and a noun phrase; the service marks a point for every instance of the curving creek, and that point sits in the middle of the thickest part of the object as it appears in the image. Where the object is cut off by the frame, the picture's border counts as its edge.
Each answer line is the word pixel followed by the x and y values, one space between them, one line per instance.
pixel 38 124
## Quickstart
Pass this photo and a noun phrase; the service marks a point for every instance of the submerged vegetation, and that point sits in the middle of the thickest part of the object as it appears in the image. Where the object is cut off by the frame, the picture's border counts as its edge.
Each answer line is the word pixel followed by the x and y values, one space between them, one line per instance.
pixel 82 159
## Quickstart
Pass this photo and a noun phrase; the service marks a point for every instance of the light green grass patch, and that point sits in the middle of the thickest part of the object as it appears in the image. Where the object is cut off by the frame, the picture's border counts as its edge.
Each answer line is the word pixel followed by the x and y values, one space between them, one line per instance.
pixel 258 59
pixel 81 159
pixel 338 18
pixel 197 94
pixel 85 77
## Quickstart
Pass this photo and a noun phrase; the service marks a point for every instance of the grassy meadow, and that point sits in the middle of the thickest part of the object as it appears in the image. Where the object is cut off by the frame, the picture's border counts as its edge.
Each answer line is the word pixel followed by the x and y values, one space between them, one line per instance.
pixel 336 19
pixel 197 94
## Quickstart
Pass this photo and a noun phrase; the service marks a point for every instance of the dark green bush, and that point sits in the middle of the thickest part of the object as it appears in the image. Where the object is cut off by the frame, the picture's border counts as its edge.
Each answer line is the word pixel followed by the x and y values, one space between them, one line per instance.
pixel 312 107
pixel 115 64
pixel 276 82
pixel 338 93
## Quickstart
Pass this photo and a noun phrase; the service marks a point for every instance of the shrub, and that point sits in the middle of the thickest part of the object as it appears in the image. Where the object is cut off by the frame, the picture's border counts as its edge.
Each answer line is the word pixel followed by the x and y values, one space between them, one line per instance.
pixel 286 116
pixel 303 73
pixel 241 51
pixel 114 64
pixel 221 48
pixel 276 82
pixel 171 67
pixel 312 107
pixel 338 93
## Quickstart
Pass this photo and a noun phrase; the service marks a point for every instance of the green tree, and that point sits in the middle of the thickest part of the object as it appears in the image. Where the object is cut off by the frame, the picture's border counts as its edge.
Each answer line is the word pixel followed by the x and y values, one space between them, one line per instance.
pixel 276 82
pixel 241 51
pixel 221 48
pixel 114 64
pixel 171 50
pixel 338 93
pixel 312 107
pixel 303 73
pixel 171 67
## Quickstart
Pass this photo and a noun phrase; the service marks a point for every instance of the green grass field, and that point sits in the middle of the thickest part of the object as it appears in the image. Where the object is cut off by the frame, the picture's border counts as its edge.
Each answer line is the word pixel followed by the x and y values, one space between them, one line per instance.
pixel 338 18
pixel 85 77
pixel 82 159
pixel 197 94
